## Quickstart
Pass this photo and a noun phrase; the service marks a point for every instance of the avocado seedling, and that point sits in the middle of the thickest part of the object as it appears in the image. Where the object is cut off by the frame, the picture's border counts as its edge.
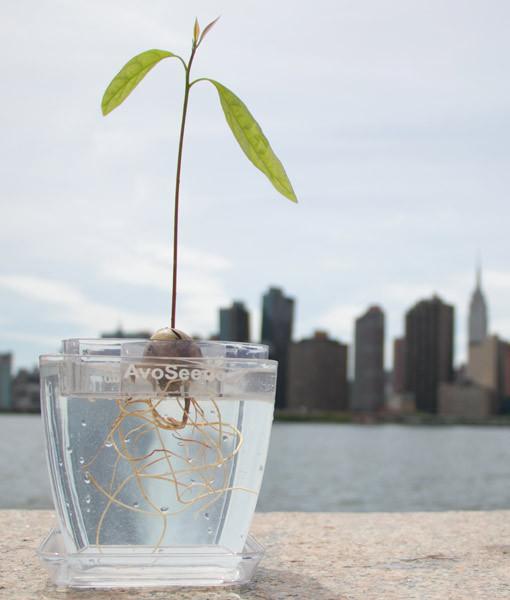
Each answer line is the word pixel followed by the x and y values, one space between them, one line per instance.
pixel 196 448
pixel 244 127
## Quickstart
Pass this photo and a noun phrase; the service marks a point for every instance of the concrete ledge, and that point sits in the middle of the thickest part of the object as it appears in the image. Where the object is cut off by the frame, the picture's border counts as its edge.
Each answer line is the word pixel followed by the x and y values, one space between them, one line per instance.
pixel 316 556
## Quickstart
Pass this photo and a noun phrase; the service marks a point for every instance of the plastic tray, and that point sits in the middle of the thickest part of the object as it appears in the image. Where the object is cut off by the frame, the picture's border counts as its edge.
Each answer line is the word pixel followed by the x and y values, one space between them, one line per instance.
pixel 121 567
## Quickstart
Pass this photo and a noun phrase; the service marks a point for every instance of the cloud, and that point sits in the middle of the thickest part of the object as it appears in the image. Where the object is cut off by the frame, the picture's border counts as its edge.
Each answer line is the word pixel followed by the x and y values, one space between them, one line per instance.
pixel 200 280
pixel 65 303
pixel 339 320
pixel 407 293
pixel 46 340
pixel 149 264
pixel 499 280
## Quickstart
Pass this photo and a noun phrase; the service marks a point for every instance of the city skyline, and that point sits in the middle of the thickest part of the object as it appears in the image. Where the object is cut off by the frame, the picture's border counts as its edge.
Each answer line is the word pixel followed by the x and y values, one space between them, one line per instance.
pixel 313 373
pixel 462 325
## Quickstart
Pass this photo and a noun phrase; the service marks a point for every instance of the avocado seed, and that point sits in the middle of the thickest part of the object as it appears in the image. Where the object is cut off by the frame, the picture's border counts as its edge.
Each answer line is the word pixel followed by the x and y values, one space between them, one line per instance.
pixel 172 343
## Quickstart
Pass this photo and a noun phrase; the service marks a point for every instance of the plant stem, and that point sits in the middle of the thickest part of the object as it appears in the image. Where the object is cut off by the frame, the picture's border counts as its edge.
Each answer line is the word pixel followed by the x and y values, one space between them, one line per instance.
pixel 178 183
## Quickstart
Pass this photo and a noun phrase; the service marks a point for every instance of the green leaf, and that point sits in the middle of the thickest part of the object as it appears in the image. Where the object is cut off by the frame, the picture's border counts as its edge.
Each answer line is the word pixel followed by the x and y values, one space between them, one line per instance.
pixel 130 76
pixel 252 140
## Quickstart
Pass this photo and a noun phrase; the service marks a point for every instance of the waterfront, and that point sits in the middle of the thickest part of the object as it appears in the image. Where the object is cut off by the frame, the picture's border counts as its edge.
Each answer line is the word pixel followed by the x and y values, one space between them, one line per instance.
pixel 325 467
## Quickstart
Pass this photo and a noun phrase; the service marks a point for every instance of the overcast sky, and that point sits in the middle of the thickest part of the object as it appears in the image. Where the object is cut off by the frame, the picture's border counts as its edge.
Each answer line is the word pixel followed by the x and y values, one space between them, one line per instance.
pixel 391 118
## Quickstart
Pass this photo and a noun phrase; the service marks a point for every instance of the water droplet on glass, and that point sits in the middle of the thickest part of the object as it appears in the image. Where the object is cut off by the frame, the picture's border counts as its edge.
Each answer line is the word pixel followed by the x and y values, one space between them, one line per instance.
pixel 84 423
pixel 127 440
pixel 69 449
pixel 81 460
pixel 206 515
pixel 108 444
pixel 60 463
pixel 225 438
pixel 88 498
pixel 209 530
pixel 67 504
pixel 164 509
pixel 87 509
pixel 86 477
pixel 190 460
pixel 261 468
pixel 135 505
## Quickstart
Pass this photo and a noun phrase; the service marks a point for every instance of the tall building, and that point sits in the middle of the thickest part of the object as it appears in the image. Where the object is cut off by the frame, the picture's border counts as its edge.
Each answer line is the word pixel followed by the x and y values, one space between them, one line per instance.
pixel 399 366
pixel 277 319
pixel 429 351
pixel 489 367
pixel 317 375
pixel 25 391
pixel 398 399
pixel 369 376
pixel 235 323
pixel 6 382
pixel 478 314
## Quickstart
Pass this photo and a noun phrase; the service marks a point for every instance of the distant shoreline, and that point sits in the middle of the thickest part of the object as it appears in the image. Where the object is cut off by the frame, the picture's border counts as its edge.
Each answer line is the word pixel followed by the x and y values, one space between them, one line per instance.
pixel 348 418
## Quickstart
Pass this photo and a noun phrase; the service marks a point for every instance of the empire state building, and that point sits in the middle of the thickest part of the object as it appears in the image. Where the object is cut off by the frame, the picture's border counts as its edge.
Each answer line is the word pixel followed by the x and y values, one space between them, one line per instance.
pixel 478 313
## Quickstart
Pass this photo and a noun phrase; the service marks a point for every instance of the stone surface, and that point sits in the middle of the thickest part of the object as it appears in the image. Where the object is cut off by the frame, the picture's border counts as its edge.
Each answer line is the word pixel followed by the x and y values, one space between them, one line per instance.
pixel 314 556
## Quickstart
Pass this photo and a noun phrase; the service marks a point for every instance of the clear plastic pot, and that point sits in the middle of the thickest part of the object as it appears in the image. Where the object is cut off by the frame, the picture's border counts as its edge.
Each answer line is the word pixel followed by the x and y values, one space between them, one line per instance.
pixel 156 453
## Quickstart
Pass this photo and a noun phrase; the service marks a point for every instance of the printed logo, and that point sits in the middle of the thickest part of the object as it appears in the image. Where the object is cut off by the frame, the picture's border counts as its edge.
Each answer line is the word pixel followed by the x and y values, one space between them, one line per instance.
pixel 171 373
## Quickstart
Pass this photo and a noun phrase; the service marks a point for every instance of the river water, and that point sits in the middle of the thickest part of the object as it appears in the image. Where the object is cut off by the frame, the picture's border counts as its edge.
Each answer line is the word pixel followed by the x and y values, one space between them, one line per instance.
pixel 320 467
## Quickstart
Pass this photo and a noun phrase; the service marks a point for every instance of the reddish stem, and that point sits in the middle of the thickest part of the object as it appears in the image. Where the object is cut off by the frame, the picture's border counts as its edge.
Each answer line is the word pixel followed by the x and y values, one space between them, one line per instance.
pixel 177 186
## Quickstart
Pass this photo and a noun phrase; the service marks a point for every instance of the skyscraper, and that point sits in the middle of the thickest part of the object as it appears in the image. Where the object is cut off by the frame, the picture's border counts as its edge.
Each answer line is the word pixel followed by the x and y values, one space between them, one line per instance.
pixel 26 391
pixel 5 382
pixel 399 365
pixel 368 393
pixel 317 376
pixel 235 323
pixel 429 351
pixel 488 367
pixel 277 318
pixel 478 318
